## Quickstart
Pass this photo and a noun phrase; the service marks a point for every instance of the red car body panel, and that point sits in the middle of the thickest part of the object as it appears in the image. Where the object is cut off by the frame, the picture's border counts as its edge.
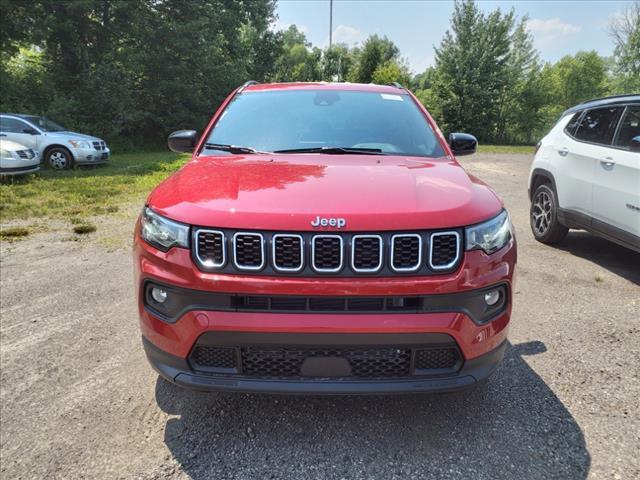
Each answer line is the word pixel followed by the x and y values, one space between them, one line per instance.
pixel 280 192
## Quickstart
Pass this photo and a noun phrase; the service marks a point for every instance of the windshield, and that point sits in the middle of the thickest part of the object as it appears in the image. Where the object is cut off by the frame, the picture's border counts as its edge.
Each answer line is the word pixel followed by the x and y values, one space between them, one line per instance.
pixel 43 123
pixel 310 119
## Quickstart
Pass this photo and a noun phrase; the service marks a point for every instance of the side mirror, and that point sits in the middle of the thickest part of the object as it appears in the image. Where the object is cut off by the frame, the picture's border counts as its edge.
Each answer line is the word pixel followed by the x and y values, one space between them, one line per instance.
pixel 29 131
pixel 182 141
pixel 462 144
pixel 634 146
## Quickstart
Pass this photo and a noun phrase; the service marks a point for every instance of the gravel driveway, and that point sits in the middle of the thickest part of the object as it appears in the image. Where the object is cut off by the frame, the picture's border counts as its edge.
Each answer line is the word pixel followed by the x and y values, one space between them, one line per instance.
pixel 78 399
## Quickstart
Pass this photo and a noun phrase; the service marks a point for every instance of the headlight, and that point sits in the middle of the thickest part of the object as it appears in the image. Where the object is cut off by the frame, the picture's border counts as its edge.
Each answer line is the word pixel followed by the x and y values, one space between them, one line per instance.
pixel 161 232
pixel 79 143
pixel 6 154
pixel 491 235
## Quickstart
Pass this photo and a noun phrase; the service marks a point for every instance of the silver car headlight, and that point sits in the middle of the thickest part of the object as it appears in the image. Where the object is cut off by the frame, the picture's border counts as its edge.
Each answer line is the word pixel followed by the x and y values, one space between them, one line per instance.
pixel 6 154
pixel 161 232
pixel 491 235
pixel 79 143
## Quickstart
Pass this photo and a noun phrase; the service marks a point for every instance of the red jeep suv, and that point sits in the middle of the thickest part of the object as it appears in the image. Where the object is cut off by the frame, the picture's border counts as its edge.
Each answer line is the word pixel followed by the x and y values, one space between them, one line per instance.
pixel 324 239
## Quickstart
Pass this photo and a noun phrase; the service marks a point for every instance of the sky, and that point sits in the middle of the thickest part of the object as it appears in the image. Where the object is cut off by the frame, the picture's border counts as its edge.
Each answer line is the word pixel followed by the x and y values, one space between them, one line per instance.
pixel 558 27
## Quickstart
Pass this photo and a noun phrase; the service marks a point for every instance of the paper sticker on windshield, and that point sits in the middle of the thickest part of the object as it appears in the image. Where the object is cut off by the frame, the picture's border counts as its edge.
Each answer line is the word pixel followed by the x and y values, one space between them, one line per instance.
pixel 388 96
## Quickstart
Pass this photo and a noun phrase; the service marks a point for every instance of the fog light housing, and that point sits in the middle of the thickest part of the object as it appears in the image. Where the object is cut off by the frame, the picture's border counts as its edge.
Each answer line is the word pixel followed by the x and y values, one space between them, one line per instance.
pixel 492 297
pixel 159 295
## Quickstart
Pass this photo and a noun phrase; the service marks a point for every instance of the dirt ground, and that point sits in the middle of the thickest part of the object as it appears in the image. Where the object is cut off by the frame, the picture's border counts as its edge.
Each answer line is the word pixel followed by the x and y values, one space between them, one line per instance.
pixel 78 399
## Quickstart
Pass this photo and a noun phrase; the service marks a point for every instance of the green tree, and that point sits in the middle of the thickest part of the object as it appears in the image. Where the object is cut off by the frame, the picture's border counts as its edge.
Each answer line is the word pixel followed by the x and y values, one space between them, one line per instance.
pixel 337 62
pixel 578 78
pixel 375 51
pixel 472 69
pixel 625 31
pixel 297 61
pixel 392 71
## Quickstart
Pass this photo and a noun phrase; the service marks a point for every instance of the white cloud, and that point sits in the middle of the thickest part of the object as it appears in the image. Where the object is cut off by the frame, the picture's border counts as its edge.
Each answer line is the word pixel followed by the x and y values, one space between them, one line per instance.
pixel 349 35
pixel 545 32
pixel 280 25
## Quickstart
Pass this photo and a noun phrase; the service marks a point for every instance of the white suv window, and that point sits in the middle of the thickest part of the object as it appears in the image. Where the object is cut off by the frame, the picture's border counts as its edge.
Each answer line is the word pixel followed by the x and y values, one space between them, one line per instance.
pixel 599 125
pixel 629 127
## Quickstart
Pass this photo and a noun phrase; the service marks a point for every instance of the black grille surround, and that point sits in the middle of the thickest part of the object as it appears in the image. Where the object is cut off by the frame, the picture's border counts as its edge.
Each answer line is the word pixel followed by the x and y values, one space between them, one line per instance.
pixel 27 154
pixel 306 360
pixel 337 254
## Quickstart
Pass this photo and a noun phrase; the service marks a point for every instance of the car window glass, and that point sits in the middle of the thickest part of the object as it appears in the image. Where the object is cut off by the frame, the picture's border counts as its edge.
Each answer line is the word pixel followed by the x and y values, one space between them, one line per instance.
pixel 629 126
pixel 293 119
pixel 573 123
pixel 599 125
pixel 11 125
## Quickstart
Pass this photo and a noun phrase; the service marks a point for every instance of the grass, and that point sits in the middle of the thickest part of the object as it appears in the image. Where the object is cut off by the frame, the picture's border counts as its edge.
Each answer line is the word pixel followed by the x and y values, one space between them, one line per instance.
pixel 12 233
pixel 86 191
pixel 506 149
pixel 84 228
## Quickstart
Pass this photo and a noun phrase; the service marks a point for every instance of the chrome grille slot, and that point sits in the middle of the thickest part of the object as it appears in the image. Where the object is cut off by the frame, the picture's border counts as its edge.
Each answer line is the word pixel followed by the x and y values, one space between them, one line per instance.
pixel 327 253
pixel 210 248
pixel 444 250
pixel 248 251
pixel 288 252
pixel 366 253
pixel 406 252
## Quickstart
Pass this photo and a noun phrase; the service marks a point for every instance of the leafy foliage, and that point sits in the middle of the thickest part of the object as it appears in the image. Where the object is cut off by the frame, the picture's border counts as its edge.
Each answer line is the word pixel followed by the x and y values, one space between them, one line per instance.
pixel 131 71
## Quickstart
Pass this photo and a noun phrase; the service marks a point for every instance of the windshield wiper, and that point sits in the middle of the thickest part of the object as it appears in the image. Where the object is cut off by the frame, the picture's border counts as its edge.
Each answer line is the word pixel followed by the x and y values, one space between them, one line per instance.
pixel 334 150
pixel 230 148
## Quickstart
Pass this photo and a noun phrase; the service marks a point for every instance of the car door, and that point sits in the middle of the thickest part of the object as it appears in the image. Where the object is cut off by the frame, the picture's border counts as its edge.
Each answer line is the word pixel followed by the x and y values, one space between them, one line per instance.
pixel 616 182
pixel 573 168
pixel 17 130
pixel 582 151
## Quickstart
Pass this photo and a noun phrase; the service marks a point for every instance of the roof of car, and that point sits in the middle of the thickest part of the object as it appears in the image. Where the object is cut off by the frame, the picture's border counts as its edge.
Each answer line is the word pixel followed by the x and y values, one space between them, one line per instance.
pixel 604 101
pixel 363 87
pixel 19 115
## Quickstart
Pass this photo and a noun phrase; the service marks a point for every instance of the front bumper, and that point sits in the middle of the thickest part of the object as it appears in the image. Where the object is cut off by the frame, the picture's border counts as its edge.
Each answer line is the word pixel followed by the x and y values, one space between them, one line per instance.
pixel 178 371
pixel 170 340
pixel 19 170
pixel 91 156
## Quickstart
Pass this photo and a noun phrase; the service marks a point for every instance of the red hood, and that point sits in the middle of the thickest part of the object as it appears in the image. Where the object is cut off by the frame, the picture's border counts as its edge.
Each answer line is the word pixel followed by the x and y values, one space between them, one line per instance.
pixel 287 192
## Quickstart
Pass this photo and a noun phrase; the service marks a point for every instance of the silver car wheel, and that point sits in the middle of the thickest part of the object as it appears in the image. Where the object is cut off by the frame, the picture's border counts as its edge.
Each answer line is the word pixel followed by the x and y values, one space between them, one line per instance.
pixel 58 160
pixel 541 213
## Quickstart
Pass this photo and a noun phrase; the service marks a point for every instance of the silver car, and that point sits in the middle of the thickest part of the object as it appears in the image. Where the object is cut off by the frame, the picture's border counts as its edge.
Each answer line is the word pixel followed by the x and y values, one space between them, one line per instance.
pixel 56 145
pixel 16 159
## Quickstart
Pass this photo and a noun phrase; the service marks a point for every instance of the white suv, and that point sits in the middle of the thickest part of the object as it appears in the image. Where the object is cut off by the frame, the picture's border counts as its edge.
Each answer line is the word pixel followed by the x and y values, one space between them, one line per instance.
pixel 586 173
pixel 54 144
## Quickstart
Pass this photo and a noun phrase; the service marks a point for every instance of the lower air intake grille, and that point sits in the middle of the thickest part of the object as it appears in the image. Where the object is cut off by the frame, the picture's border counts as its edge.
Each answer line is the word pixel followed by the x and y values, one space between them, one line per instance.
pixel 365 363
pixel 437 359
pixel 444 250
pixel 213 357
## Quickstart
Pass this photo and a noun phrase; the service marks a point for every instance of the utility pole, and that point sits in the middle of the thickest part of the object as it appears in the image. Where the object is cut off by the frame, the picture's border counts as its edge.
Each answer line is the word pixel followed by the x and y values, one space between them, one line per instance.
pixel 330 21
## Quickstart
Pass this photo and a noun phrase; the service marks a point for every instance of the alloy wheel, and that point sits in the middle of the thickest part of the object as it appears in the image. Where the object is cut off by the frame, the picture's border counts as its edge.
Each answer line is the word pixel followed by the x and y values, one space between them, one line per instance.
pixel 541 213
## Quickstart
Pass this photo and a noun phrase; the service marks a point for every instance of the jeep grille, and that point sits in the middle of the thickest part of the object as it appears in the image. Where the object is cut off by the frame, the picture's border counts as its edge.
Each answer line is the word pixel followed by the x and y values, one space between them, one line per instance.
pixel 334 254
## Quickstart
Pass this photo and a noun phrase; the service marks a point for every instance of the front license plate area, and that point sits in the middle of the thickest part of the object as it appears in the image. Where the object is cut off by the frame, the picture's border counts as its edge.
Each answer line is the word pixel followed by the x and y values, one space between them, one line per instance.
pixel 325 367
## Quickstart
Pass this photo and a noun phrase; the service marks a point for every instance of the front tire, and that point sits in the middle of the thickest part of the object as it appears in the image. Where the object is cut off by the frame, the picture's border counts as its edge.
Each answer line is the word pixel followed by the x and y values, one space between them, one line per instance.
pixel 543 216
pixel 59 158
